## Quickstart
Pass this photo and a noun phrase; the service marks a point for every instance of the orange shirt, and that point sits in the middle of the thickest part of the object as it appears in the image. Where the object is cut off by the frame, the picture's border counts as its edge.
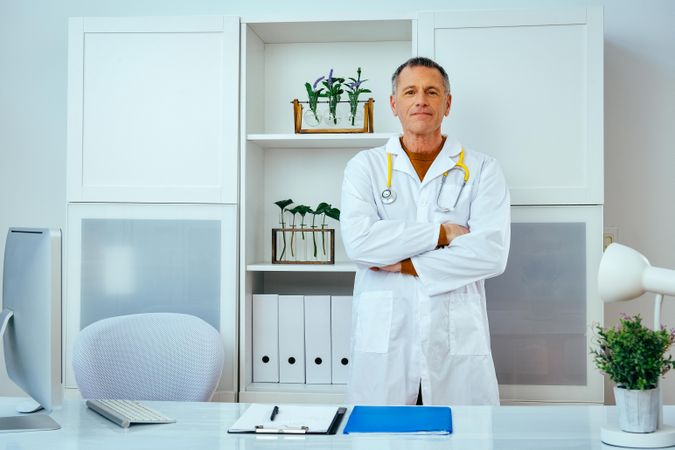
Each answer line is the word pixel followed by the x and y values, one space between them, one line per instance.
pixel 421 163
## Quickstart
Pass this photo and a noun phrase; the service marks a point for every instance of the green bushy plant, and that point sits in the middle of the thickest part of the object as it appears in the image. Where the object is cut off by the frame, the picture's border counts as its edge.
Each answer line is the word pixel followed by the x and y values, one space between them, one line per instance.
pixel 632 355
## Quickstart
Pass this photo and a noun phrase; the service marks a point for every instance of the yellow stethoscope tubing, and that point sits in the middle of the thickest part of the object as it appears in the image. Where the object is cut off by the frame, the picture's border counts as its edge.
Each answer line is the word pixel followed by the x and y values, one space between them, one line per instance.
pixel 389 170
pixel 458 165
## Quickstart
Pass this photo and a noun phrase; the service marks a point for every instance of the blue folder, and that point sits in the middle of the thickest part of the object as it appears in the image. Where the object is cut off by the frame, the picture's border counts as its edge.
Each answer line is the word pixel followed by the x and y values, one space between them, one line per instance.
pixel 400 419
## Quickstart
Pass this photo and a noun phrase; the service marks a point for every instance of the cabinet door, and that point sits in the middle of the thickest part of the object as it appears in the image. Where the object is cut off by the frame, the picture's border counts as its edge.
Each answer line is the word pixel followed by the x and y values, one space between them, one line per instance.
pixel 542 309
pixel 128 259
pixel 153 109
pixel 527 88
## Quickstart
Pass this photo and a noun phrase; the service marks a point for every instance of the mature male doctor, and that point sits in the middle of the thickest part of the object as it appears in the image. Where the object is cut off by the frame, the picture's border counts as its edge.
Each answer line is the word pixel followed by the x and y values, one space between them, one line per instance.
pixel 427 221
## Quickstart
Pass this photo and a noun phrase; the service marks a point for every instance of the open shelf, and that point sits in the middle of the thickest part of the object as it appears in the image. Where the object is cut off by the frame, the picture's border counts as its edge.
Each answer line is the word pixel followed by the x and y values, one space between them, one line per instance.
pixel 360 140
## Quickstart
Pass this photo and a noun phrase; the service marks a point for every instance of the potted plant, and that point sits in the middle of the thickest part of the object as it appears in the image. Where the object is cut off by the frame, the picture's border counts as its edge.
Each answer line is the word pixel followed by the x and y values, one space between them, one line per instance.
pixel 634 357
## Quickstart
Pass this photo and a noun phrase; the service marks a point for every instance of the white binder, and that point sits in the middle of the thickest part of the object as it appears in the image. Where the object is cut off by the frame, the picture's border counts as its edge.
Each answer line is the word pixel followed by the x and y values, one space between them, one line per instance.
pixel 291 339
pixel 341 331
pixel 265 338
pixel 317 339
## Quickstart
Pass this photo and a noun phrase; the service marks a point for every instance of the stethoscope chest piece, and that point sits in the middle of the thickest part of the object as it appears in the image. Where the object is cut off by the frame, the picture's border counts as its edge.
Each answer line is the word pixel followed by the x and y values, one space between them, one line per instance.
pixel 388 196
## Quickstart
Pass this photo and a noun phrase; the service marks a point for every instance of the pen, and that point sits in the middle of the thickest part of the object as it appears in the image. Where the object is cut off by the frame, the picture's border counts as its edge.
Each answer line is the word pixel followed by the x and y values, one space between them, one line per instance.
pixel 275 411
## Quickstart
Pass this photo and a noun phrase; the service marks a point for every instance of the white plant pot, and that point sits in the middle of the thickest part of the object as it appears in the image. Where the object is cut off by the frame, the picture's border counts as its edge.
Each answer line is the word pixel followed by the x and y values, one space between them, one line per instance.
pixel 638 410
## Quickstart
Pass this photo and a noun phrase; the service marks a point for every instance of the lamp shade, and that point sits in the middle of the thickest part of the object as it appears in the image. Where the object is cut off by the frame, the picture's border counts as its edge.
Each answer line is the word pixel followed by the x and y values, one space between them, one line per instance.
pixel 625 274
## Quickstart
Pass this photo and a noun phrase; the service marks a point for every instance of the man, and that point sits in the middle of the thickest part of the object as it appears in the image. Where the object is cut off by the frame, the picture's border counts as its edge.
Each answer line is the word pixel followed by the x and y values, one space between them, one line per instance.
pixel 425 237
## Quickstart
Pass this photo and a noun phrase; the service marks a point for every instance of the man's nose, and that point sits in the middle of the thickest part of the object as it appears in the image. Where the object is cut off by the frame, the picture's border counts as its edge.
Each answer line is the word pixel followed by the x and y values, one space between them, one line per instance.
pixel 421 99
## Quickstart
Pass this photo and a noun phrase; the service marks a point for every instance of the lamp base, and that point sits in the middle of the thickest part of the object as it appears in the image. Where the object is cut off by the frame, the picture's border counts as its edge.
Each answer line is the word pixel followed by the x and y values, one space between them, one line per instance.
pixel 663 437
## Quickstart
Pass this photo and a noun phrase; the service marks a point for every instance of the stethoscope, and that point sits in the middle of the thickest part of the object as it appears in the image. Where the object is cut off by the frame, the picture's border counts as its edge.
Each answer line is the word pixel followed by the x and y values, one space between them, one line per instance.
pixel 389 196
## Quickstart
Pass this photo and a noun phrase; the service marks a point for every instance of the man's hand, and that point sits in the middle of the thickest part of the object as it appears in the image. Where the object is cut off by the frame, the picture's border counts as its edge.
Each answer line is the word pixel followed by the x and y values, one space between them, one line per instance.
pixel 390 268
pixel 452 230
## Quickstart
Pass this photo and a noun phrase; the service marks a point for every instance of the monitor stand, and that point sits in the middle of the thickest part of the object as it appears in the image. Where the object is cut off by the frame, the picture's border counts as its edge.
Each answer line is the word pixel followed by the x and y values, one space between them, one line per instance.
pixel 33 422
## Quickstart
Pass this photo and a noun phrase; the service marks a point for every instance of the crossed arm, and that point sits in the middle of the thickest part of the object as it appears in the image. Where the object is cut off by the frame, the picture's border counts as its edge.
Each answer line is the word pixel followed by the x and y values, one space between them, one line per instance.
pixel 383 244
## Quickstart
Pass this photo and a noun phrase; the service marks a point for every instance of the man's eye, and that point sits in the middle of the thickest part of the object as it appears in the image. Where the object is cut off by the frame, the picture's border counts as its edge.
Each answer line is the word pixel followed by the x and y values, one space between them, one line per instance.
pixel 408 92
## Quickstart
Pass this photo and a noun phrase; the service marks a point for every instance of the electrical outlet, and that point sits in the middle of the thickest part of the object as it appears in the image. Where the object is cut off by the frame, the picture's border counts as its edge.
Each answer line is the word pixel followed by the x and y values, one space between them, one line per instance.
pixel 610 236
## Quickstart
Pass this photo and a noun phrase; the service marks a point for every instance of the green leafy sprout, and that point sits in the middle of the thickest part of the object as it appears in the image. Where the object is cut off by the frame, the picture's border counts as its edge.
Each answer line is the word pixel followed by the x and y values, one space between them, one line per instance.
pixel 282 204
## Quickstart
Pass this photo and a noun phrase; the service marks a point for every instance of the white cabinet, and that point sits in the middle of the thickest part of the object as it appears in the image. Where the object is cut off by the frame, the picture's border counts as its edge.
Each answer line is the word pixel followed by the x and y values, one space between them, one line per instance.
pixel 153 109
pixel 130 258
pixel 527 89
pixel 153 174
pixel 277 59
pixel 541 310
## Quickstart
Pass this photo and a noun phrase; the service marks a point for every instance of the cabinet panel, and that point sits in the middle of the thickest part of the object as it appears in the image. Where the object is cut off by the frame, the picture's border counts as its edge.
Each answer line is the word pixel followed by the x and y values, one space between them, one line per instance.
pixel 127 259
pixel 527 89
pixel 153 109
pixel 542 308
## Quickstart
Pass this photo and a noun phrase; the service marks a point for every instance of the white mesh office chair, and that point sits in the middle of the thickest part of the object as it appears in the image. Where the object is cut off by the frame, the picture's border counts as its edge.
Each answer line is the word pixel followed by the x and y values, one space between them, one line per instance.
pixel 157 356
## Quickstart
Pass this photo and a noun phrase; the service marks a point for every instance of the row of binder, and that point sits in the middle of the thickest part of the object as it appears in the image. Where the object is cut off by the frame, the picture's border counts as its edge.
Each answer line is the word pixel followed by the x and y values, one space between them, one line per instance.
pixel 301 339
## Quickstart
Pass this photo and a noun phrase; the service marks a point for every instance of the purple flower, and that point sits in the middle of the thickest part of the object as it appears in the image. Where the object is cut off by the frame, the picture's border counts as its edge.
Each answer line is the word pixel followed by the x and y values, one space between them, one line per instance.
pixel 317 82
pixel 330 77
pixel 355 85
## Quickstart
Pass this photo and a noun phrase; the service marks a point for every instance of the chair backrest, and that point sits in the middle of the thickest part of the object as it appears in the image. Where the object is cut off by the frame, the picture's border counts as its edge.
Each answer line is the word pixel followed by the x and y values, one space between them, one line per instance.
pixel 157 356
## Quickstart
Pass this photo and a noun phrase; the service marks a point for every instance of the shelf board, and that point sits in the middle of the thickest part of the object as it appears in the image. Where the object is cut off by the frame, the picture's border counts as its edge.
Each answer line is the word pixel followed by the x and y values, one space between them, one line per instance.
pixel 360 140
pixel 297 387
pixel 338 267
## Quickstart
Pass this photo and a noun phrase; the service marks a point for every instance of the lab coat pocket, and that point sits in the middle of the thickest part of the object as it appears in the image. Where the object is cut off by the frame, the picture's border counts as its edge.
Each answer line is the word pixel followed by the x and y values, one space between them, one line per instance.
pixel 373 321
pixel 468 325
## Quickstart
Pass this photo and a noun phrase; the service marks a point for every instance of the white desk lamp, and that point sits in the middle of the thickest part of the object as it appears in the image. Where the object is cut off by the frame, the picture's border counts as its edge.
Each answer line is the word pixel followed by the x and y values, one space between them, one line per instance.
pixel 624 275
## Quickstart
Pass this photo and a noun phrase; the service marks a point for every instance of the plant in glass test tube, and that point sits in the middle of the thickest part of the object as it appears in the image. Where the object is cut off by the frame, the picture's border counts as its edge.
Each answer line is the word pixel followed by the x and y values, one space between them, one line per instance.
pixel 302 210
pixel 334 91
pixel 313 95
pixel 282 204
pixel 353 91
pixel 326 210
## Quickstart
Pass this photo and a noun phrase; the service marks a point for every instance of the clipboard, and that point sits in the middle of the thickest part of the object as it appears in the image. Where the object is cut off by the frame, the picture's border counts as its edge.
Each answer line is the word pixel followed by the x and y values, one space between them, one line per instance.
pixel 290 419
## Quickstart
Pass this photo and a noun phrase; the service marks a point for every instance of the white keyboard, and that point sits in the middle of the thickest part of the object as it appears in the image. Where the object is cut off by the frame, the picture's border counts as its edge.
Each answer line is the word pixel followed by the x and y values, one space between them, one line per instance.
pixel 127 412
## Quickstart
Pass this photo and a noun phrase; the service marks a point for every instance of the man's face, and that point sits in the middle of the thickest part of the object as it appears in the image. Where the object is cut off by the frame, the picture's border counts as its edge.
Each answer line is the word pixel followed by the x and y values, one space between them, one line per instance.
pixel 420 102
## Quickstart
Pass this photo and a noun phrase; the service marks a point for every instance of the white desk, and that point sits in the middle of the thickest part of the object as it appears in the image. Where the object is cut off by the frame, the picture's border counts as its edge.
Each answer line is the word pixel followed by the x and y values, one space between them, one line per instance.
pixel 204 425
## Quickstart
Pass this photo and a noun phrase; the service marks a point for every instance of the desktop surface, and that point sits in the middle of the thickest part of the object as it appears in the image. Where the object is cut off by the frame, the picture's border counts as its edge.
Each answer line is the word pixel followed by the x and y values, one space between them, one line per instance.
pixel 204 425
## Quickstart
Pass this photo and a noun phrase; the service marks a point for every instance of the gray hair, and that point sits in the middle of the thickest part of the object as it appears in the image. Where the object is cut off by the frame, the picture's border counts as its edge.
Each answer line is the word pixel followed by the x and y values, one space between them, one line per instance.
pixel 420 61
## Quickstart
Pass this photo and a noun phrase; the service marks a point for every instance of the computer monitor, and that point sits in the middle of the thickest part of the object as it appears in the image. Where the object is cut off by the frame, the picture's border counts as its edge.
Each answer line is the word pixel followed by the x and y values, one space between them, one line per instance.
pixel 30 323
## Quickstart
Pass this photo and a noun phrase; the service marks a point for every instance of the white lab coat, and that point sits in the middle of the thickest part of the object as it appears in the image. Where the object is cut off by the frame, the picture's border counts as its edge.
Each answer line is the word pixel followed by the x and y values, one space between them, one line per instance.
pixel 433 328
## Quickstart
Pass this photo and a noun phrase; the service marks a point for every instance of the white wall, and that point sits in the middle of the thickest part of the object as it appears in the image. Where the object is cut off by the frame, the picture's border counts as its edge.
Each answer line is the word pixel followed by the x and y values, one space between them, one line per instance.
pixel 639 109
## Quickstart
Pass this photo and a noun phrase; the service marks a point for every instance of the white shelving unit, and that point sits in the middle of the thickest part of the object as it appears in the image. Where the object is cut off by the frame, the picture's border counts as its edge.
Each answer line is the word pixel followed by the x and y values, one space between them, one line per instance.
pixel 277 59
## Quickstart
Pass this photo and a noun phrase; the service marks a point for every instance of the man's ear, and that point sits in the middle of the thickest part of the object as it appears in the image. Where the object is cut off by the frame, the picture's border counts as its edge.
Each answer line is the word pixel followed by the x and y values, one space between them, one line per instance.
pixel 448 103
pixel 392 104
